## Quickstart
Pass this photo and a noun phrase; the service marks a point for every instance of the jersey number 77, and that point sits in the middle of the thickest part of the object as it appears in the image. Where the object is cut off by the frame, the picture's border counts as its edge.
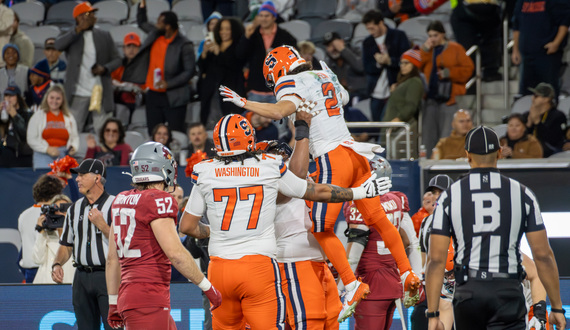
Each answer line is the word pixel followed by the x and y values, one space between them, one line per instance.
pixel 231 196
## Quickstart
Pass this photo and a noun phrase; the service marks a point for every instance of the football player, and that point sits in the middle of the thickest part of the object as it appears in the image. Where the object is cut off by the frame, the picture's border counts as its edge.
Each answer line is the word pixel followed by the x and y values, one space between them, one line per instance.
pixel 340 160
pixel 238 190
pixel 144 243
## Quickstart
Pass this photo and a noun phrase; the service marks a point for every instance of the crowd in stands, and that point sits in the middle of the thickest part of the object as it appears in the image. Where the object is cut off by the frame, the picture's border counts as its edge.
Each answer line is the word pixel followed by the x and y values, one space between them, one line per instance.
pixel 83 83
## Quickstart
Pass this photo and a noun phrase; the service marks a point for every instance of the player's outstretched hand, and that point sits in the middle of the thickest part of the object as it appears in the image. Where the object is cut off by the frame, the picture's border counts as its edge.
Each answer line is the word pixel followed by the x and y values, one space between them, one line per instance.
pixel 214 296
pixel 114 318
pixel 231 96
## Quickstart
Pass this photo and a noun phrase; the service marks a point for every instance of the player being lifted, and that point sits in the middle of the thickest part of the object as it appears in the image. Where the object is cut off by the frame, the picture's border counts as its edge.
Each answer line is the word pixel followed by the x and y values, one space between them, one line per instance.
pixel 144 243
pixel 238 190
pixel 340 160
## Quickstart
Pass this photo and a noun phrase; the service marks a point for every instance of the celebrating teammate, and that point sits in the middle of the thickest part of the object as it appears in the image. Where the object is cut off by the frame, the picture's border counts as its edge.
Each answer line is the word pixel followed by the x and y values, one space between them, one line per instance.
pixel 340 160
pixel 144 245
pixel 239 190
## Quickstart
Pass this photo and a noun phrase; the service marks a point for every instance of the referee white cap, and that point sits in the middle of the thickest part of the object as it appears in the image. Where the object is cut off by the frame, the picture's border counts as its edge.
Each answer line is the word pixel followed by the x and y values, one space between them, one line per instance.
pixel 482 140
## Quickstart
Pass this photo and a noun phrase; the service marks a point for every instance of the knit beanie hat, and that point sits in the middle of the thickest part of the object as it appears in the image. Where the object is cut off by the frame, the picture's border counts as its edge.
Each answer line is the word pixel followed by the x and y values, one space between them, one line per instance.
pixel 268 6
pixel 413 55
pixel 10 46
pixel 211 17
pixel 41 69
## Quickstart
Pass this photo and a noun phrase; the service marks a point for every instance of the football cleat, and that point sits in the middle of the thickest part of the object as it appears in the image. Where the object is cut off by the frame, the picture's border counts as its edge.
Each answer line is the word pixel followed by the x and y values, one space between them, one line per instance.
pixel 352 298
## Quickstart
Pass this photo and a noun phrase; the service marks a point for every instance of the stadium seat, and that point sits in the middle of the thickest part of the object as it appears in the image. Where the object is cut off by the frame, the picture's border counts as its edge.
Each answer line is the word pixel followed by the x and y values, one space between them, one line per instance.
pixel 138 120
pixel 192 112
pixel 315 8
pixel 118 33
pixel 415 29
pixel 389 23
pixel 301 30
pixel 31 13
pixel 563 154
pixel 80 154
pixel 342 27
pixel 134 139
pixel 564 106
pixel 39 34
pixel 501 130
pixel 61 14
pixel 522 105
pixel 320 54
pixel 188 10
pixel 195 33
pixel 364 107
pixel 112 11
pixel 154 8
pixel 181 138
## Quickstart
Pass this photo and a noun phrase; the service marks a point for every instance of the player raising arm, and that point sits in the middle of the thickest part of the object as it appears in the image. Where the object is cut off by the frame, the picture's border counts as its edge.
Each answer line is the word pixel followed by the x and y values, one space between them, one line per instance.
pixel 144 243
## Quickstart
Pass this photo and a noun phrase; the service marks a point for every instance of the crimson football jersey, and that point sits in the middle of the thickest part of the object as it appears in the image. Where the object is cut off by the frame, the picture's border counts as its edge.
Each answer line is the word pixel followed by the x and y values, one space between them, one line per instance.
pixel 145 268
pixel 376 255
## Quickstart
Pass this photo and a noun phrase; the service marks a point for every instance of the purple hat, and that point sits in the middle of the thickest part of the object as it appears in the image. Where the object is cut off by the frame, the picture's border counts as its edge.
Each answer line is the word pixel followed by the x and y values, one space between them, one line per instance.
pixel 268 6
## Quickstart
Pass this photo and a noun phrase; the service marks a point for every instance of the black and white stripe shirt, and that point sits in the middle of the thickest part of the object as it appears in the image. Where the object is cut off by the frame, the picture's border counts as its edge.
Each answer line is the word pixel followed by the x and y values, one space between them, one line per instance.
pixel 89 244
pixel 487 213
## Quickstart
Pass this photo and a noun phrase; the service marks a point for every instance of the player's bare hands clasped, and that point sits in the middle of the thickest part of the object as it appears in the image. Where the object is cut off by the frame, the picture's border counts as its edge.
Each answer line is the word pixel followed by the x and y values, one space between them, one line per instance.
pixel 231 96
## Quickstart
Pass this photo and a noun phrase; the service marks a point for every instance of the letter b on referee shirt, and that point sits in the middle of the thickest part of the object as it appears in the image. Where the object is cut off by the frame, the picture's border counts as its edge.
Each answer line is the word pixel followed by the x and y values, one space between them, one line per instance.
pixel 487 206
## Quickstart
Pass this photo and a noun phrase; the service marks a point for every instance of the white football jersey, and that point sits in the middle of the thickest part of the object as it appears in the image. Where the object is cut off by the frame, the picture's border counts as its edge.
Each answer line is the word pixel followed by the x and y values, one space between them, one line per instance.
pixel 295 242
pixel 240 201
pixel 328 128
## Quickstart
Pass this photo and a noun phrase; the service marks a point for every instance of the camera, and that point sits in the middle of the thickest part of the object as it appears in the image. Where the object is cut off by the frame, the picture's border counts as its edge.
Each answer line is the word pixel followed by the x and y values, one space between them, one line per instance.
pixel 53 220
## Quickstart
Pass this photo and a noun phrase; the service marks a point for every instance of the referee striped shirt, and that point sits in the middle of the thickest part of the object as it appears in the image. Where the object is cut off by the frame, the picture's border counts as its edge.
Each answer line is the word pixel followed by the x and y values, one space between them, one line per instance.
pixel 89 244
pixel 487 213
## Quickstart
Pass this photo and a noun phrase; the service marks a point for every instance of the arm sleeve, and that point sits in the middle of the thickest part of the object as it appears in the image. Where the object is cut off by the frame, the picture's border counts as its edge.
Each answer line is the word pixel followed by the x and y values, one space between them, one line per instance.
pixel 186 70
pixel 34 137
pixel 413 250
pixel 292 186
pixel 462 70
pixel 63 42
pixel 66 237
pixel 355 63
pixel 40 248
pixel 196 203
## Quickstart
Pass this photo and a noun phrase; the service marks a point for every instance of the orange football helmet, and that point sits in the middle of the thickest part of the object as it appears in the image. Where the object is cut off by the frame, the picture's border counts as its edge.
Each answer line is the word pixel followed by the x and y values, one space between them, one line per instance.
pixel 233 135
pixel 279 62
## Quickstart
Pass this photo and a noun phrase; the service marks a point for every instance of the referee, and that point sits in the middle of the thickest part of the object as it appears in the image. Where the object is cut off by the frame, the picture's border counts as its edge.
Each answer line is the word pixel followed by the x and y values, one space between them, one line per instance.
pixel 486 214
pixel 85 234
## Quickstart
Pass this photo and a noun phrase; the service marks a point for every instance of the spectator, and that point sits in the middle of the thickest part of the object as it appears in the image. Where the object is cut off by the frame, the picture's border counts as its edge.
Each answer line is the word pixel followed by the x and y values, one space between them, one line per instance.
pixel 199 140
pixel 56 66
pixel 220 65
pixel 165 64
pixel 14 151
pixel 209 25
pixel 262 35
pixel 47 243
pixel 6 21
pixel 126 93
pixel 478 22
pixel 24 43
pixel 13 73
pixel 45 188
pixel 453 146
pixel 52 130
pixel 354 10
pixel 381 52
pixel 447 68
pixel 406 95
pixel 346 64
pixel 566 146
pixel 544 121
pixel 398 10
pixel 517 143
pixel 92 57
pixel 307 50
pixel 40 82
pixel 162 134
pixel 264 128
pixel 539 33
pixel 426 209
pixel 113 150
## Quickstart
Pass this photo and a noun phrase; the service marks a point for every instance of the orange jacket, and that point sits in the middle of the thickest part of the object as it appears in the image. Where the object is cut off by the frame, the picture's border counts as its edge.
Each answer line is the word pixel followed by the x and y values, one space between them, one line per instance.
pixel 418 218
pixel 457 65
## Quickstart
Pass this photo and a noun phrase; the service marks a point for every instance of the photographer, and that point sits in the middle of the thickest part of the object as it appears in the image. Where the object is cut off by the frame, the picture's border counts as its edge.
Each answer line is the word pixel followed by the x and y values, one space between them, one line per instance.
pixel 45 188
pixel 49 226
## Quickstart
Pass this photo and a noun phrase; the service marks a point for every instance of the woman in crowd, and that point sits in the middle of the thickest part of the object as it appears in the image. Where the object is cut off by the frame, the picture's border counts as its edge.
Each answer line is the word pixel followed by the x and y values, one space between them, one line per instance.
pixel 113 150
pixel 161 133
pixel 209 25
pixel 14 151
pixel 447 68
pixel 13 73
pixel 406 95
pixel 517 143
pixel 220 65
pixel 47 244
pixel 52 130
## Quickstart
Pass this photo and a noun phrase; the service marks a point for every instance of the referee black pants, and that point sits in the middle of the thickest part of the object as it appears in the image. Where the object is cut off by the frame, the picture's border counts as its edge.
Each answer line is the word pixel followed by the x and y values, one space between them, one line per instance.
pixel 491 304
pixel 90 300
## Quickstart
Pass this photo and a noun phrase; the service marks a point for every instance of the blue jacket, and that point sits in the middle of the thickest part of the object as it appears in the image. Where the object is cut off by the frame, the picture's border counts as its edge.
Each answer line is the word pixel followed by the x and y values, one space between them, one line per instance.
pixel 396 43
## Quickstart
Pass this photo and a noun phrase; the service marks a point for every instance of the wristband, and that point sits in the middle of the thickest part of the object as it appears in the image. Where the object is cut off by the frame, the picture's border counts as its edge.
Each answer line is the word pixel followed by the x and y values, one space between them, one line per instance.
pixel 358 193
pixel 429 315
pixel 56 264
pixel 558 310
pixel 113 299
pixel 39 228
pixel 301 130
pixel 205 285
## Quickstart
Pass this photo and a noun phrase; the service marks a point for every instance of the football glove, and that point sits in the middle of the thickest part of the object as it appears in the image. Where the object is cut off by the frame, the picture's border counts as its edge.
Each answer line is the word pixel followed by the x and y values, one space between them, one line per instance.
pixel 231 96
pixel 538 320
pixel 214 296
pixel 410 283
pixel 113 317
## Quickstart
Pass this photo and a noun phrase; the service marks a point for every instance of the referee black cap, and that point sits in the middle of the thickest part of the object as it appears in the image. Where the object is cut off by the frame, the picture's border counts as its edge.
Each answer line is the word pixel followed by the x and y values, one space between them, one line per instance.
pixel 482 140
pixel 440 181
pixel 94 166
